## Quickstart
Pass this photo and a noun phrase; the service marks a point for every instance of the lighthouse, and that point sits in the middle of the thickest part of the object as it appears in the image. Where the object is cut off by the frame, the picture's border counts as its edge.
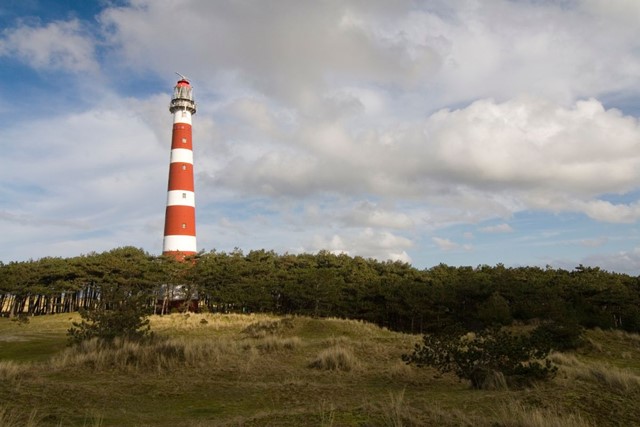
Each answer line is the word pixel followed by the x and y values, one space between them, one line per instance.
pixel 180 217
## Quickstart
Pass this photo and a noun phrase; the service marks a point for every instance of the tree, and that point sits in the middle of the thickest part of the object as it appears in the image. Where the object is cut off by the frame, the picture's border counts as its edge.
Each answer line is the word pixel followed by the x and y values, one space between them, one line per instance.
pixel 122 313
pixel 495 310
pixel 483 357
pixel 126 282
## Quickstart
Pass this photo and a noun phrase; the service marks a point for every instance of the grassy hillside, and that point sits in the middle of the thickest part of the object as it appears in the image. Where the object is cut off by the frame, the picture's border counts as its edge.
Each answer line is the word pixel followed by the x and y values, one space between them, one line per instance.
pixel 236 370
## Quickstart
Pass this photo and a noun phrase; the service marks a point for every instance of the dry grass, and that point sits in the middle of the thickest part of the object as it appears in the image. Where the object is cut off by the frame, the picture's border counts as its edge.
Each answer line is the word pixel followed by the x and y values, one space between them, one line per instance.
pixel 564 359
pixel 18 417
pixel 275 344
pixel 337 341
pixel 264 328
pixel 494 380
pixel 615 379
pixel 336 358
pixel 400 371
pixel 14 418
pixel 327 413
pixel 515 414
pixel 628 336
pixel 157 355
pixel 10 370
pixel 205 323
pixel 396 410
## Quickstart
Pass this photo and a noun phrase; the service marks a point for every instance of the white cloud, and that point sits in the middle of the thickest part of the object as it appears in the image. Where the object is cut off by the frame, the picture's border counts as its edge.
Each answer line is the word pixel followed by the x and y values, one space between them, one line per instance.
pixel 490 157
pixel 531 144
pixel 368 214
pixel 626 13
pixel 97 177
pixel 290 42
pixel 424 55
pixel 368 243
pixel 448 245
pixel 627 261
pixel 343 104
pixel 444 244
pixel 63 45
pixel 500 228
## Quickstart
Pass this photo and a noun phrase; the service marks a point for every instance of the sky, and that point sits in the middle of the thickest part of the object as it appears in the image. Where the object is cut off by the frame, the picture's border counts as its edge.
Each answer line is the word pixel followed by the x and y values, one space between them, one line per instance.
pixel 473 132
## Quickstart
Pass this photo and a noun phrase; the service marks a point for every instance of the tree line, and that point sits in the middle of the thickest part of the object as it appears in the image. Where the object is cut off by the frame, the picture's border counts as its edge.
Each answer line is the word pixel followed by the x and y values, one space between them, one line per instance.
pixel 391 294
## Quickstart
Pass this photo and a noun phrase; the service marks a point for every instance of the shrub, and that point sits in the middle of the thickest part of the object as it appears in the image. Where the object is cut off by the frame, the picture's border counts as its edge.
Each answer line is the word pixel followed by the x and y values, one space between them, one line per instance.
pixel 558 336
pixel 122 313
pixel 485 358
pixel 335 358
pixel 495 310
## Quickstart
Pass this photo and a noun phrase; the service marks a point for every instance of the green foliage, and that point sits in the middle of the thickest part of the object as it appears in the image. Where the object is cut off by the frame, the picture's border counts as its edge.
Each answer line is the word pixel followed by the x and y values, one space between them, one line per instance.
pixel 391 294
pixel 559 336
pixel 122 314
pixel 495 310
pixel 126 284
pixel 480 357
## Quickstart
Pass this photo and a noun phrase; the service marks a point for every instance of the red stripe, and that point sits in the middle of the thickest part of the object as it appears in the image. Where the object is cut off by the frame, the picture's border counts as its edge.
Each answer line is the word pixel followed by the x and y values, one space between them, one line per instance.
pixel 175 217
pixel 181 131
pixel 181 176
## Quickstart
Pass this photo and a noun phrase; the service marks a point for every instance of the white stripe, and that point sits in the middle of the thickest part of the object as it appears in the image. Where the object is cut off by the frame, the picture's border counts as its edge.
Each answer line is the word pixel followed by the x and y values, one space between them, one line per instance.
pixel 181 198
pixel 179 243
pixel 181 155
pixel 182 116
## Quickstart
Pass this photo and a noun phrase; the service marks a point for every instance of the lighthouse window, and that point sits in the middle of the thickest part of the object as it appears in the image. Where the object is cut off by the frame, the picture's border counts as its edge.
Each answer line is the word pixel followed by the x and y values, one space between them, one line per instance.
pixel 184 195
pixel 184 114
pixel 184 167
pixel 184 225
pixel 184 140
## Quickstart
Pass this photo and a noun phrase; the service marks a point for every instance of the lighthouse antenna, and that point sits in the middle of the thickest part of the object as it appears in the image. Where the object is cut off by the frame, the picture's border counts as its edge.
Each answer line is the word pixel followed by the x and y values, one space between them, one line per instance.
pixel 182 77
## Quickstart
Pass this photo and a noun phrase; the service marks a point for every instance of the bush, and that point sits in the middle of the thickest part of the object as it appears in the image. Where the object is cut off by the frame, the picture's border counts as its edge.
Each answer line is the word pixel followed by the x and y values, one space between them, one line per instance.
pixel 484 357
pixel 558 336
pixel 122 313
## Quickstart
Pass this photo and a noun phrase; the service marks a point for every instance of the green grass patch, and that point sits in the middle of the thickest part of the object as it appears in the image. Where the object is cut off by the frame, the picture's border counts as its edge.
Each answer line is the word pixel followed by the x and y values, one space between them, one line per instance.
pixel 34 340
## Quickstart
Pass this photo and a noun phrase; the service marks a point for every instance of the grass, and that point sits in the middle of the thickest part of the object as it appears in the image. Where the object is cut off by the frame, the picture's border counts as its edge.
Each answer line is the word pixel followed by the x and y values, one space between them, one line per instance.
pixel 258 370
pixel 34 340
pixel 516 414
pixel 613 378
pixel 336 358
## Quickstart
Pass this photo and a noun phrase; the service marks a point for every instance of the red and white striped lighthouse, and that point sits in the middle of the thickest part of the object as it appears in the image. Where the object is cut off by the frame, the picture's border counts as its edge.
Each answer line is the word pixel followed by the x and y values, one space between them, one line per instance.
pixel 180 217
